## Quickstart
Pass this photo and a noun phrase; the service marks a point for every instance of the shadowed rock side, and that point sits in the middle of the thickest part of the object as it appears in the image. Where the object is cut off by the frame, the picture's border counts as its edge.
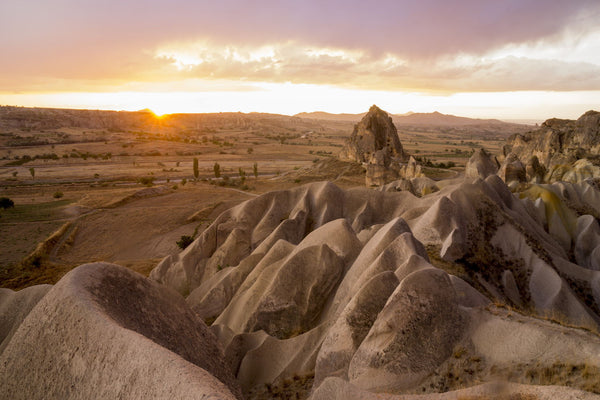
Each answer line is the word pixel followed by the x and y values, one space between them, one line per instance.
pixel 389 292
pixel 104 331
pixel 560 149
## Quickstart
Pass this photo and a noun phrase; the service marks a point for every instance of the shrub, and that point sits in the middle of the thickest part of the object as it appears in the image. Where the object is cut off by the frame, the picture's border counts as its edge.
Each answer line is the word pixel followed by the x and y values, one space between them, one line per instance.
pixel 58 194
pixel 146 180
pixel 5 203
pixel 184 241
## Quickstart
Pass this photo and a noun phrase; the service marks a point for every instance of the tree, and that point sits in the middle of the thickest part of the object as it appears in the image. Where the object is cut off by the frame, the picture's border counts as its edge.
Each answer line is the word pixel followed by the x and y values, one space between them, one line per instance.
pixel 196 172
pixel 242 175
pixel 32 172
pixel 5 203
pixel 217 169
pixel 255 170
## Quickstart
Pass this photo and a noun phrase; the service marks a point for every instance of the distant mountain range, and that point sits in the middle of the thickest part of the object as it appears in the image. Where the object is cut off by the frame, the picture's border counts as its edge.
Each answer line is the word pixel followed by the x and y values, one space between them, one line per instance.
pixel 431 119
pixel 53 118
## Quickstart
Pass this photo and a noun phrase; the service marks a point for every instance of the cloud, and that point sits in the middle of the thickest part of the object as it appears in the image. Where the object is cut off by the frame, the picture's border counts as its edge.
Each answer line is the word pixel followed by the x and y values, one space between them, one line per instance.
pixel 387 44
pixel 297 63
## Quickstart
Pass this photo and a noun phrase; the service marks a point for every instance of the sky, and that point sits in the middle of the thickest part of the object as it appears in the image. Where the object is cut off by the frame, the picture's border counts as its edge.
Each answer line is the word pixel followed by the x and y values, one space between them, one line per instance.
pixel 509 59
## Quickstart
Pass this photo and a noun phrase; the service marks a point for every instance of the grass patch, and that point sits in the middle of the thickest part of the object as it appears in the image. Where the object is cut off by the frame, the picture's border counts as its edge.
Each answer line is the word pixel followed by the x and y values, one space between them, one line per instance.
pixel 17 276
pixel 33 212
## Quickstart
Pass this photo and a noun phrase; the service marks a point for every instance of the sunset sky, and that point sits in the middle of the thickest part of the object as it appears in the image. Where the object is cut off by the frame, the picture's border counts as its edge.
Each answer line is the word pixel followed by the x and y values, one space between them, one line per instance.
pixel 511 59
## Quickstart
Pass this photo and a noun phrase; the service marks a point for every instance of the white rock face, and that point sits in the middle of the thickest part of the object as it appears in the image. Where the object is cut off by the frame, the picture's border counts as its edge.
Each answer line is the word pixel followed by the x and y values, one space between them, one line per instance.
pixel 343 283
pixel 106 332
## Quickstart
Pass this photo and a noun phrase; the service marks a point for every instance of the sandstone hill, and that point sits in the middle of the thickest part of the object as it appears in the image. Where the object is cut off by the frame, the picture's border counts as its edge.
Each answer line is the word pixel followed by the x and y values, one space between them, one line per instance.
pixel 347 284
pixel 560 150
pixel 331 293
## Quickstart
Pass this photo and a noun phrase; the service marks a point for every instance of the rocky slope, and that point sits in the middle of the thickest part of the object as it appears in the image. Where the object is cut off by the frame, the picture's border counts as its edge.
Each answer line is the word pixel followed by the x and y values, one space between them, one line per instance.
pixel 347 284
pixel 338 294
pixel 560 150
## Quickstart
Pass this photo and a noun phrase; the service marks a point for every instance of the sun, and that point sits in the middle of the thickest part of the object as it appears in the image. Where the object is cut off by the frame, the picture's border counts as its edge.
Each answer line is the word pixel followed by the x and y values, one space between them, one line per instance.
pixel 158 114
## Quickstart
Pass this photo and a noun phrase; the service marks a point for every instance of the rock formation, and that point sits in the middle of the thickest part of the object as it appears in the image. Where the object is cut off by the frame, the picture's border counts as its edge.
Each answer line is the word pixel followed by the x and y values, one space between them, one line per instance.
pixel 512 170
pixel 375 143
pixel 375 132
pixel 557 149
pixel 346 284
pixel 106 332
pixel 481 165
pixel 344 294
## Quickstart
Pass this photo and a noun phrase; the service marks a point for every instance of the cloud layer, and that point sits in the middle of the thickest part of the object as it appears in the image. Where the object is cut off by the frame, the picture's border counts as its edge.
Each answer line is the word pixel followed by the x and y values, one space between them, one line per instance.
pixel 429 45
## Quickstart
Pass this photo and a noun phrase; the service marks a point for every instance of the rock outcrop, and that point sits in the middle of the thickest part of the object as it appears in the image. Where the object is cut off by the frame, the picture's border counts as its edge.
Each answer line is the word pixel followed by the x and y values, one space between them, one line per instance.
pixel 559 150
pixel 347 283
pixel 481 165
pixel 375 132
pixel 375 143
pixel 104 331
pixel 512 170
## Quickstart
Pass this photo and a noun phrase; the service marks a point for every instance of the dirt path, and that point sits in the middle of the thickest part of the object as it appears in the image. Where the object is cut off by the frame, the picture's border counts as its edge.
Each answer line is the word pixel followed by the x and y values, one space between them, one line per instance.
pixel 68 233
pixel 241 191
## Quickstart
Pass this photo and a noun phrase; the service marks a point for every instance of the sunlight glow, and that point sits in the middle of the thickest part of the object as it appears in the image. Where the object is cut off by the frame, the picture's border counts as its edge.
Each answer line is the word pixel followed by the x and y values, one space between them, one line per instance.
pixel 290 99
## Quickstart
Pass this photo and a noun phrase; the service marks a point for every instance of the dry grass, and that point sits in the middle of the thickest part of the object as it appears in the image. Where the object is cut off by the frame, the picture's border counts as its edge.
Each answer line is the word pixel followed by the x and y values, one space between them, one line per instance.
pixel 462 370
pixel 553 317
pixel 581 376
pixel 297 387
